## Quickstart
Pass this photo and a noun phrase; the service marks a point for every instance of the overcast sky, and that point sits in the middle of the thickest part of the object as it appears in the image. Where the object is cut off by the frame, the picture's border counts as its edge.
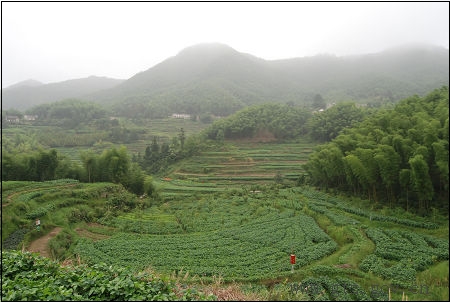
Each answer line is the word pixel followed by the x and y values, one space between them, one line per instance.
pixel 58 41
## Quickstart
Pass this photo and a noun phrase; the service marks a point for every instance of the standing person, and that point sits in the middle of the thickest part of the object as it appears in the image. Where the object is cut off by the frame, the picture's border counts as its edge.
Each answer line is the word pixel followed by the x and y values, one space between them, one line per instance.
pixel 38 224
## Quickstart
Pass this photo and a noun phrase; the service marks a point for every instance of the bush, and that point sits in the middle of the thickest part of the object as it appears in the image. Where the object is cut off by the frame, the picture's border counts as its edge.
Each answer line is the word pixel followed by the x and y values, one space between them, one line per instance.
pixel 26 276
pixel 60 245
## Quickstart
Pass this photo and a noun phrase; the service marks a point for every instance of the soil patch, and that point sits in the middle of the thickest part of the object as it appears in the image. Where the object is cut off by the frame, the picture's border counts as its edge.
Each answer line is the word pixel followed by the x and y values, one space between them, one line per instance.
pixel 40 245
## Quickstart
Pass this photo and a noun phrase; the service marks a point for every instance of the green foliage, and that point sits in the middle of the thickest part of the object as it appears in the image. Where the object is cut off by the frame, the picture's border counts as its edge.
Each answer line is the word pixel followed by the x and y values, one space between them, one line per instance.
pixel 237 235
pixel 14 240
pixel 28 276
pixel 114 165
pixel 324 288
pixel 81 213
pixel 60 245
pixel 58 203
pixel 399 255
pixel 393 155
pixel 68 113
pixel 265 121
pixel 325 126
pixel 37 166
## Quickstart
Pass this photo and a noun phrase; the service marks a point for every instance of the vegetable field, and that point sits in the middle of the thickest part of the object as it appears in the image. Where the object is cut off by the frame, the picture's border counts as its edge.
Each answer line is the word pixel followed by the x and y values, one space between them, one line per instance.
pixel 236 215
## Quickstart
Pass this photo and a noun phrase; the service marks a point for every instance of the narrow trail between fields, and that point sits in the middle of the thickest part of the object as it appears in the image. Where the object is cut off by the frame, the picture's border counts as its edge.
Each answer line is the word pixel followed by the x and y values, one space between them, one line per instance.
pixel 40 245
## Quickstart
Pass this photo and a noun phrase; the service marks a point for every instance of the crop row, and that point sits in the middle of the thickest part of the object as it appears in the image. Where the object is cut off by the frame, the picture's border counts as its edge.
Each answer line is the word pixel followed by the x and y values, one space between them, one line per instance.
pixel 324 199
pixel 399 255
pixel 337 219
pixel 21 185
pixel 146 226
pixel 324 288
pixel 256 249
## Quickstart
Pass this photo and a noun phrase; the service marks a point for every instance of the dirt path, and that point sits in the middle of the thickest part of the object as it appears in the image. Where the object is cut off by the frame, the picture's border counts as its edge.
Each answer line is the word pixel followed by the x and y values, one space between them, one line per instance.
pixel 41 245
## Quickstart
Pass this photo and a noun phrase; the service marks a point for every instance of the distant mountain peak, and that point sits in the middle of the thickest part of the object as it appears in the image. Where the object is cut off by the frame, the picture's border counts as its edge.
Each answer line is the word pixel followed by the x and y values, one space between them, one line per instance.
pixel 26 83
pixel 207 48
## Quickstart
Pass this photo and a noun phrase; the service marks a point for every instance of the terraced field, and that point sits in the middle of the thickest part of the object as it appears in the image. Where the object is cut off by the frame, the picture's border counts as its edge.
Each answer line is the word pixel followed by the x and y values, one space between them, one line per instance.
pixel 241 164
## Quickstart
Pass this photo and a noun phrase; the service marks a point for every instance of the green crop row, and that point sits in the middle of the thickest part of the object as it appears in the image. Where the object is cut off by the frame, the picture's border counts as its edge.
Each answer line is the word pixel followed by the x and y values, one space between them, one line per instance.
pixel 341 205
pixel 399 255
pixel 258 248
pixel 324 288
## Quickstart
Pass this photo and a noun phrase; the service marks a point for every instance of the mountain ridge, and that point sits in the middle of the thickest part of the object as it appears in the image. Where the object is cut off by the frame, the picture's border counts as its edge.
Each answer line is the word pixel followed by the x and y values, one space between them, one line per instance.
pixel 203 77
pixel 21 96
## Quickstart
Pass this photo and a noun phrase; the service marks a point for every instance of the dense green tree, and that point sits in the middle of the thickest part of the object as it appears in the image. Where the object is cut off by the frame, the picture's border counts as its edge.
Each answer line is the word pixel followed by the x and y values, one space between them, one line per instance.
pixel 405 184
pixel 14 167
pixel 388 162
pixel 182 137
pixel 421 181
pixel 68 169
pixel 393 154
pixel 325 126
pixel 270 119
pixel 358 172
pixel 68 113
pixel 440 150
pixel 134 180
pixel 46 164
pixel 89 160
pixel 327 165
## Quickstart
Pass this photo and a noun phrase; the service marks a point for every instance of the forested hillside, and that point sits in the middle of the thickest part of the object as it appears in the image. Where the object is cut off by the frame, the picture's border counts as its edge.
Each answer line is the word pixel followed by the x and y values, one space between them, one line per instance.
pixel 396 156
pixel 219 80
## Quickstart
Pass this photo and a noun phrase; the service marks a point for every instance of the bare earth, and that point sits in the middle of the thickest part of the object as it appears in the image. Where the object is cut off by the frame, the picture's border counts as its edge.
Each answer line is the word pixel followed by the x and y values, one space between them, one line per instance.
pixel 41 245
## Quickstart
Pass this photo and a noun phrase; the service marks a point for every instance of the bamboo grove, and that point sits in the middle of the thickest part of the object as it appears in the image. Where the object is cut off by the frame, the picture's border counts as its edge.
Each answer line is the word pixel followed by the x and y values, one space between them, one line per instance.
pixel 395 156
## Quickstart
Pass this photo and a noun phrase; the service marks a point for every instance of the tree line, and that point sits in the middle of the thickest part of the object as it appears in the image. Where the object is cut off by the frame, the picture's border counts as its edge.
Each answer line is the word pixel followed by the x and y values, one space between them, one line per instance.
pixel 286 122
pixel 112 165
pixel 395 156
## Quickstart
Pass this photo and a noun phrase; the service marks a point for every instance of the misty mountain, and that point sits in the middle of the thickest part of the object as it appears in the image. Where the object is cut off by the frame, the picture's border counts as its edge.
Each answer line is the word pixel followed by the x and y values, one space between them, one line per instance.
pixel 26 94
pixel 217 79
pixel 26 83
pixel 213 74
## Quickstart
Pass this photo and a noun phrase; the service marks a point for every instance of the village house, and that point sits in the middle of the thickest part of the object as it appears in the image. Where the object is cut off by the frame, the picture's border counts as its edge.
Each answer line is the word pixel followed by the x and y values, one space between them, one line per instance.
pixel 181 115
pixel 13 119
pixel 28 117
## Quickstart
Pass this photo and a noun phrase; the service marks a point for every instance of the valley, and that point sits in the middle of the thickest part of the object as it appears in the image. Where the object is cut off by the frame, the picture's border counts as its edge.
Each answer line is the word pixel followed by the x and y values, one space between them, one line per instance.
pixel 202 177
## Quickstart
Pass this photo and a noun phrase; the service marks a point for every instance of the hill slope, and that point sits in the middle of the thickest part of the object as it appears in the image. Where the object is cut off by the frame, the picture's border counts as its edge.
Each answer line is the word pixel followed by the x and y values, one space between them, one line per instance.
pixel 216 78
pixel 27 94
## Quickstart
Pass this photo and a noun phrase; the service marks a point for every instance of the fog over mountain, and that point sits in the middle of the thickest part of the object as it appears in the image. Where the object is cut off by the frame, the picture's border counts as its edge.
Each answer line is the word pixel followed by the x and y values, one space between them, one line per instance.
pixel 218 79
pixel 29 93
